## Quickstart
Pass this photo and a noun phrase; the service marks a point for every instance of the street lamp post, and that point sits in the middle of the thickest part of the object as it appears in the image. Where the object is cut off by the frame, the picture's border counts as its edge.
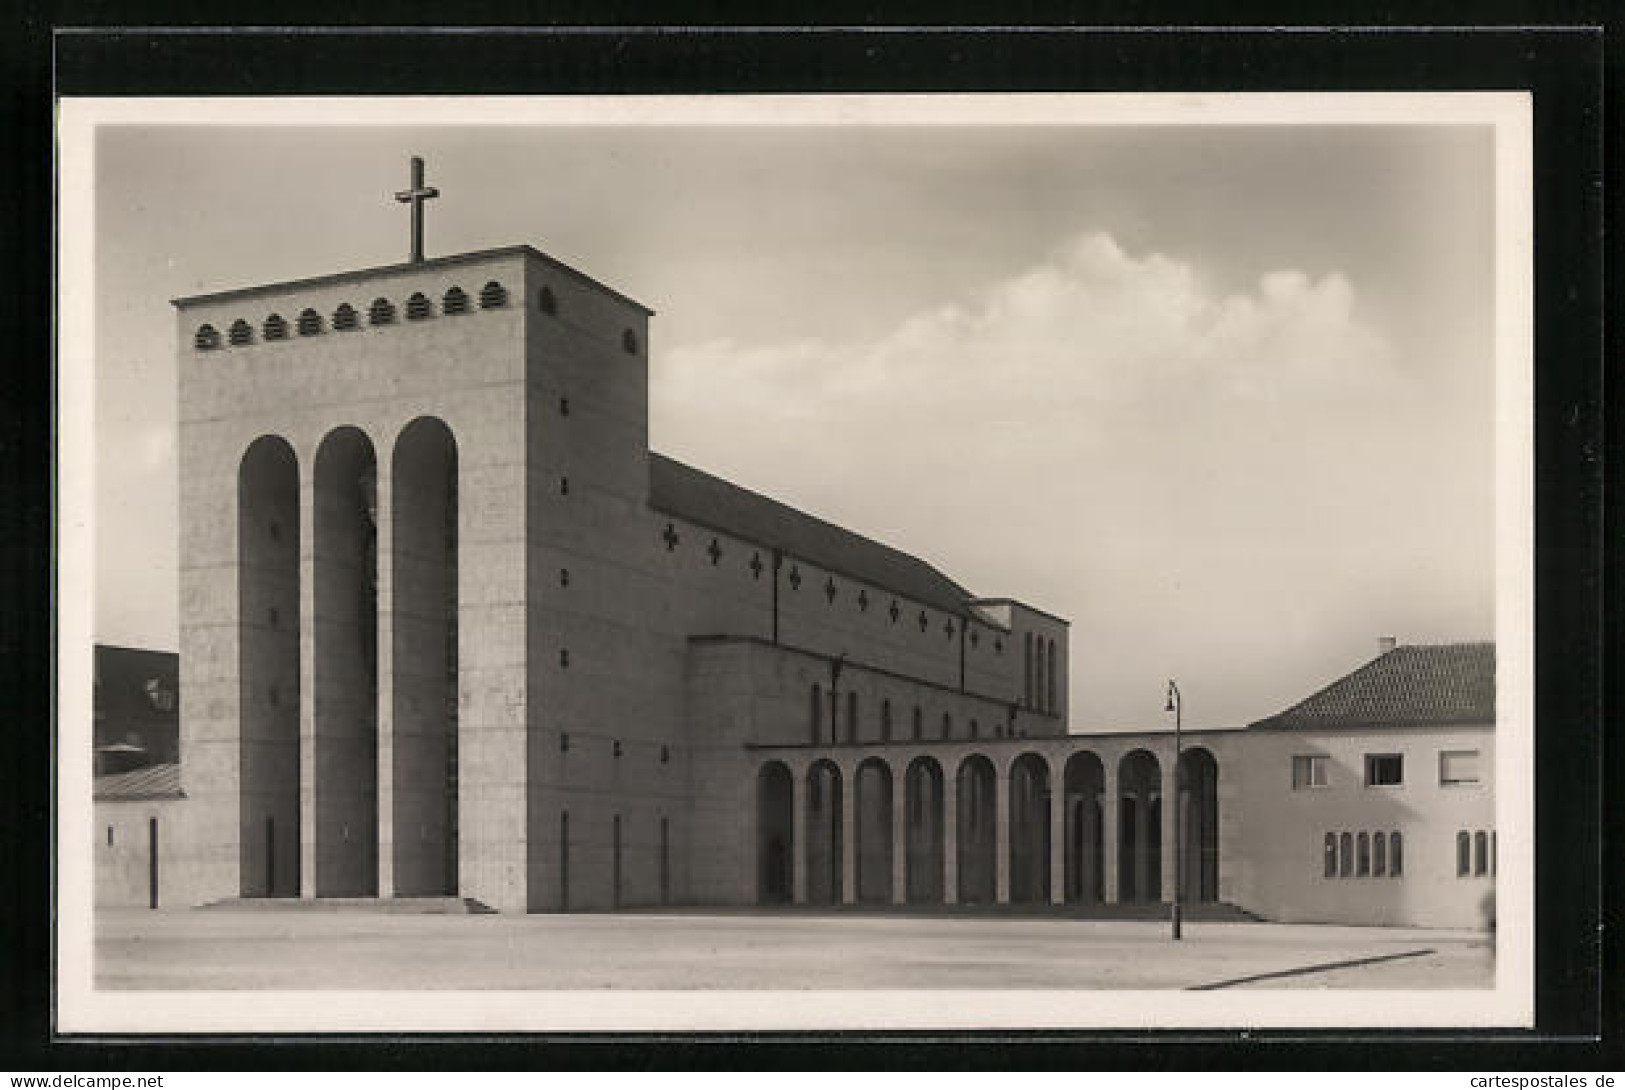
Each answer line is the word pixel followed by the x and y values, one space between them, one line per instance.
pixel 1176 705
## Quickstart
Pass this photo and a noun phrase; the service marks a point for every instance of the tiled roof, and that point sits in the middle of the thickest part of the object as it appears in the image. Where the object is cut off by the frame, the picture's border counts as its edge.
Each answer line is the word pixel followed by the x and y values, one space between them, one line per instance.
pixel 699 497
pixel 1410 685
pixel 152 782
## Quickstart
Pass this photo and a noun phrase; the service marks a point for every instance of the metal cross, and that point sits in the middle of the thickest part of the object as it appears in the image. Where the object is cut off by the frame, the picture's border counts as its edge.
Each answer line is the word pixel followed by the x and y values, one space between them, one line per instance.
pixel 415 197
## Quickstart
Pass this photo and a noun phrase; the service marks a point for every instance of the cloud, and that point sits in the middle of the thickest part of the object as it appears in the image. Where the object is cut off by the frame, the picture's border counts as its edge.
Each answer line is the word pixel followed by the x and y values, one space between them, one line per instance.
pixel 1179 469
pixel 1089 326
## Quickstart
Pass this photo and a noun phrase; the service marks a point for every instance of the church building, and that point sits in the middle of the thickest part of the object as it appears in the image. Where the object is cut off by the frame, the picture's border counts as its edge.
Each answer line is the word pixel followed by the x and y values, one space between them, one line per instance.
pixel 450 629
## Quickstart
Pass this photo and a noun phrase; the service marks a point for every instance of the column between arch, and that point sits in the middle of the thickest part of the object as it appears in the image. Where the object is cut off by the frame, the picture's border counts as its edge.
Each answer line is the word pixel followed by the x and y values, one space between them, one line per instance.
pixel 1110 806
pixel 798 834
pixel 849 834
pixel 1001 834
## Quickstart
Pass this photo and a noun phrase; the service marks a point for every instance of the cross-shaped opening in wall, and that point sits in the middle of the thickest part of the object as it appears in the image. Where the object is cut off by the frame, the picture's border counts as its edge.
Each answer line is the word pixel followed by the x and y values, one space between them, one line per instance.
pixel 715 549
pixel 670 537
pixel 829 589
pixel 756 565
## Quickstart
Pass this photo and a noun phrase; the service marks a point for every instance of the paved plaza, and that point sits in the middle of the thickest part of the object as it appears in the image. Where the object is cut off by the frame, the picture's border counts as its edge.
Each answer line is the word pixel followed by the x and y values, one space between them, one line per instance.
pixel 283 949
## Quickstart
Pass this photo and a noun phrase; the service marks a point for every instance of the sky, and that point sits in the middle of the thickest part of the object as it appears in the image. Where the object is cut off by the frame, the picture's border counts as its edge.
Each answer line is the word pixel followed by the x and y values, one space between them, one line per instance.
pixel 1222 396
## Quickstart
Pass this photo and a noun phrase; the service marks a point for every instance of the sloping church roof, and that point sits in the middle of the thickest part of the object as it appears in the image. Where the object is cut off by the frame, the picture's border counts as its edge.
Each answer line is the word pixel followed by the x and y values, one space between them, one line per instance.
pixel 698 497
pixel 1412 685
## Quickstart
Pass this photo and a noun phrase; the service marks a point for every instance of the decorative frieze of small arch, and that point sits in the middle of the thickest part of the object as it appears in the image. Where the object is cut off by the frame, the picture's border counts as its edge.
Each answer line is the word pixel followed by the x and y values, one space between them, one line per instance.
pixel 493 295
pixel 380 312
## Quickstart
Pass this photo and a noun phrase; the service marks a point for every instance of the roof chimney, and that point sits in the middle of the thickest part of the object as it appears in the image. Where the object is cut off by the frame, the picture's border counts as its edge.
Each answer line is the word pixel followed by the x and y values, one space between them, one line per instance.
pixel 1386 644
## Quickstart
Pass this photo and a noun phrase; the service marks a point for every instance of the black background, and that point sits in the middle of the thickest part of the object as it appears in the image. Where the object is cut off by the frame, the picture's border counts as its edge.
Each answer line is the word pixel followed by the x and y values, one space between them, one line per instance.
pixel 1577 635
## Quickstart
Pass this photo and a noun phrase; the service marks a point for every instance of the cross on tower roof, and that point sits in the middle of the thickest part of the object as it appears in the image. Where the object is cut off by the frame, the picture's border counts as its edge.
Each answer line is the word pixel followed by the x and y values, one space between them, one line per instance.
pixel 415 196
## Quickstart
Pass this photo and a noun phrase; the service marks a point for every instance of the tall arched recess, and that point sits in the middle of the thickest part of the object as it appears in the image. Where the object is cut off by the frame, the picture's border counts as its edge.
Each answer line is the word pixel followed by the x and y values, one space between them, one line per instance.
pixel 268 669
pixel 345 665
pixel 423 484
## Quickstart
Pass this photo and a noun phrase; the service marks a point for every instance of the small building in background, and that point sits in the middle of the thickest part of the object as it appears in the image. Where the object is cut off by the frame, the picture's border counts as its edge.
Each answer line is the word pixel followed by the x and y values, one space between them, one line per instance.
pixel 1373 800
pixel 137 708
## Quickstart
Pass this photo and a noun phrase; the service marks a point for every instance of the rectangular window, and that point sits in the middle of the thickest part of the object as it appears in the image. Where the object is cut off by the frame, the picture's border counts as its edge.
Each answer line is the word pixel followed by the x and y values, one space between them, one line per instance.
pixel 1384 769
pixel 1458 767
pixel 1310 771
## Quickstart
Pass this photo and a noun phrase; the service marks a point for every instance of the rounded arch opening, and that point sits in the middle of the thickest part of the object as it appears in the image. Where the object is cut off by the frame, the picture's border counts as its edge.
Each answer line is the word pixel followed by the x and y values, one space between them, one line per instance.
pixel 1199 825
pixel 923 831
pixel 1083 787
pixel 824 835
pixel 977 796
pixel 425 657
pixel 344 627
pixel 268 669
pixel 1029 846
pixel 1139 827
pixel 775 834
pixel 873 817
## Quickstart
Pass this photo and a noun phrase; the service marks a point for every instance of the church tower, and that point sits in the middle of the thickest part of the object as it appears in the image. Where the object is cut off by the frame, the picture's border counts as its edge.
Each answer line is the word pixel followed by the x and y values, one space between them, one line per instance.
pixel 375 469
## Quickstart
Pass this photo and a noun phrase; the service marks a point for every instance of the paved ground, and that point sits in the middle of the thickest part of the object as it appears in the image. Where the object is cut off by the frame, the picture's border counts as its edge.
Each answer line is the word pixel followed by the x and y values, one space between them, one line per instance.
pixel 202 948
